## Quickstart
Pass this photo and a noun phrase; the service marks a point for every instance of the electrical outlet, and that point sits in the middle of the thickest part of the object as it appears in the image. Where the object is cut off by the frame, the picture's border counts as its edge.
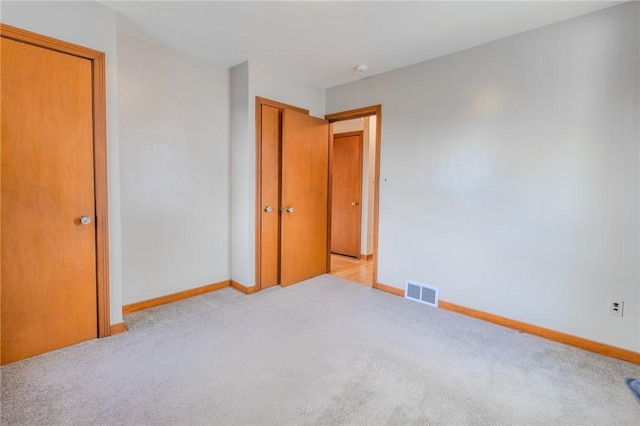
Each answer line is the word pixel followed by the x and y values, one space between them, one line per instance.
pixel 616 308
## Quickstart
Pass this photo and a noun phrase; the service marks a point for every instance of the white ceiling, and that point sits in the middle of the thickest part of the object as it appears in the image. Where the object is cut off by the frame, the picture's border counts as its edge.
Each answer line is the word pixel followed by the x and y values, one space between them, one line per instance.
pixel 321 42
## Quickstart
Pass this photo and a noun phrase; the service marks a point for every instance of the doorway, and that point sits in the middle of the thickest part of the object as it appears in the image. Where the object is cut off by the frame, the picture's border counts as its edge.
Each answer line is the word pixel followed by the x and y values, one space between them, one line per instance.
pixel 360 265
pixel 54 254
pixel 347 170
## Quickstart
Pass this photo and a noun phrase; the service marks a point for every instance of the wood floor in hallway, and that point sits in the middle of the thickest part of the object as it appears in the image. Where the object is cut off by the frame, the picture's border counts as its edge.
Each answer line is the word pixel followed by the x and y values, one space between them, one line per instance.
pixel 349 268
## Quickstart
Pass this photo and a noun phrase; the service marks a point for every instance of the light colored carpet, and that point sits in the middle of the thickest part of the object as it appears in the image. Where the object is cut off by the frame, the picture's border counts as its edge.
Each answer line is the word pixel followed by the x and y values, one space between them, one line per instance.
pixel 325 351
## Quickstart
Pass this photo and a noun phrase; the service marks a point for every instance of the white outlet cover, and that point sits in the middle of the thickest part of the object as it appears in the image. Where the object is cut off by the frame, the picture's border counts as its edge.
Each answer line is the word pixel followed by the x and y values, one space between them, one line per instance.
pixel 616 308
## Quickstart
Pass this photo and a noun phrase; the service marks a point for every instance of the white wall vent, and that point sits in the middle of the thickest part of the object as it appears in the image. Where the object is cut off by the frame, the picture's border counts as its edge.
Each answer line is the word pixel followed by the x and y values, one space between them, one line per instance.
pixel 422 293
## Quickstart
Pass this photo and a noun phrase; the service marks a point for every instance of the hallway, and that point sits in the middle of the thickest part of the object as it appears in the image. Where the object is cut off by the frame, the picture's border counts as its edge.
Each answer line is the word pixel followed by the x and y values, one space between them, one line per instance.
pixel 349 268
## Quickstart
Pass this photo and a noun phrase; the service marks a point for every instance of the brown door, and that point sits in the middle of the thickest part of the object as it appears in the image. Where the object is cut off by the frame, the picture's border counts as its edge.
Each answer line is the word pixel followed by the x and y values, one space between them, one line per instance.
pixel 346 193
pixel 305 173
pixel 292 229
pixel 48 295
pixel 270 196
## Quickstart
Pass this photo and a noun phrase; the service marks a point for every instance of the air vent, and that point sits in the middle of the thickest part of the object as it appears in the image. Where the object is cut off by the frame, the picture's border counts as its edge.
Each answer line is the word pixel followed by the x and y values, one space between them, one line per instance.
pixel 422 293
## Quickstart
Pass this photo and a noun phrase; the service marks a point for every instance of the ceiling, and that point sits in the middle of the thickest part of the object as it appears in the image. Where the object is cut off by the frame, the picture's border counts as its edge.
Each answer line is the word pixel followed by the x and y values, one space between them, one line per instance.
pixel 321 42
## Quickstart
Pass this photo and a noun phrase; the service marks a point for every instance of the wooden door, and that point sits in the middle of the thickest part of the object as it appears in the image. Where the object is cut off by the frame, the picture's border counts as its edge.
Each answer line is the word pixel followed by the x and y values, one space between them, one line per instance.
pixel 305 159
pixel 346 193
pixel 270 196
pixel 48 267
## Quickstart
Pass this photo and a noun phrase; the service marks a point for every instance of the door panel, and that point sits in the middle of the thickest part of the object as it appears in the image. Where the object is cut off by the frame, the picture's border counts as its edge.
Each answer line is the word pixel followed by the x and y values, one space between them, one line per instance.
pixel 270 197
pixel 48 271
pixel 346 194
pixel 305 156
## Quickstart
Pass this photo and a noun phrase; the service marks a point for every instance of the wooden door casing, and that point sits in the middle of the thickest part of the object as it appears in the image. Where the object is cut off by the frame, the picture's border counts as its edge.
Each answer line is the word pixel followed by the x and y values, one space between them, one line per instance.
pixel 53 152
pixel 346 193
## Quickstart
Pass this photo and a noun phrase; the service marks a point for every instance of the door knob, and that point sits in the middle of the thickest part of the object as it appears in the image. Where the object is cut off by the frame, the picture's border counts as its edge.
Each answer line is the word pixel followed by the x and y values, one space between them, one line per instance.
pixel 267 209
pixel 287 210
pixel 85 220
pixel 354 204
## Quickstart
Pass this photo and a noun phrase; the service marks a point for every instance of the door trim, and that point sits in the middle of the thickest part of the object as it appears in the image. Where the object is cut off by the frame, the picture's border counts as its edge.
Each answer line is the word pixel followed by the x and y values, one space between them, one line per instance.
pixel 375 110
pixel 99 156
pixel 258 206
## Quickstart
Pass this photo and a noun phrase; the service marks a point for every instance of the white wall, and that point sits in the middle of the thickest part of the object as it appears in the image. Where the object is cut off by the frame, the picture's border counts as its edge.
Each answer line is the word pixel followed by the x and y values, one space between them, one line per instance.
pixel 513 175
pixel 266 83
pixel 241 201
pixel 276 86
pixel 348 125
pixel 638 91
pixel 92 25
pixel 174 163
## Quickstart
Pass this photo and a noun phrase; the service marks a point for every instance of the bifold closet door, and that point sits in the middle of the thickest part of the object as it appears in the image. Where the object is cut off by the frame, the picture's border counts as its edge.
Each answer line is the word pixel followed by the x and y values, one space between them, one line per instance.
pixel 294 150
pixel 305 175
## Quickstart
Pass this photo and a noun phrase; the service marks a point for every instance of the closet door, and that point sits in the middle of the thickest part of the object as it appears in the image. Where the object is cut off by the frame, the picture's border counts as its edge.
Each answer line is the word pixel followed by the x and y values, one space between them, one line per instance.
pixel 304 207
pixel 270 196
pixel 48 245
